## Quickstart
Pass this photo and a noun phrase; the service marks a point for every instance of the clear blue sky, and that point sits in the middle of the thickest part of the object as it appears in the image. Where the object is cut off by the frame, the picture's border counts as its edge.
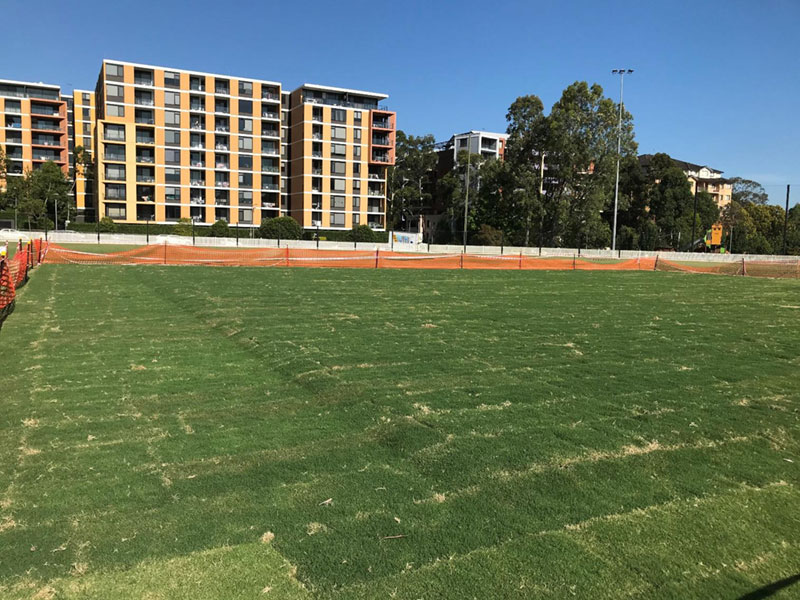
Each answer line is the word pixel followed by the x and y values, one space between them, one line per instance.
pixel 716 82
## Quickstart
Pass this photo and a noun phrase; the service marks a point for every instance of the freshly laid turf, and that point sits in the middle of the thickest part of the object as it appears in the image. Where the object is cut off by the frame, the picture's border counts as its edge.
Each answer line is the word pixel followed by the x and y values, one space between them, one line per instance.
pixel 189 432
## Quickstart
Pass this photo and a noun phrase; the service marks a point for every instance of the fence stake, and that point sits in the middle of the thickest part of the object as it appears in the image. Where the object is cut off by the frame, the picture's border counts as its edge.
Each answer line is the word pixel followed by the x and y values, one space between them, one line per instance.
pixel 376 257
pixel 520 259
pixel 573 262
pixel 165 251
pixel 655 266
pixel 462 260
pixel 744 268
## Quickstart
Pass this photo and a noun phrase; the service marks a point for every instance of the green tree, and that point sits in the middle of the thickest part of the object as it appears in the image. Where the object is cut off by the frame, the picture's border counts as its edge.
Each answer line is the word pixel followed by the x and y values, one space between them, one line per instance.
pixel 281 228
pixel 409 193
pixel 747 191
pixel 488 236
pixel 451 190
pixel 362 233
pixel 183 227
pixel 219 229
pixel 107 225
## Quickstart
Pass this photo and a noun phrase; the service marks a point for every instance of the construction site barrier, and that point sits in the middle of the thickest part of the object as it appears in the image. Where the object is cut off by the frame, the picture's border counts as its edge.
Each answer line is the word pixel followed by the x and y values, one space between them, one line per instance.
pixel 167 254
pixel 14 273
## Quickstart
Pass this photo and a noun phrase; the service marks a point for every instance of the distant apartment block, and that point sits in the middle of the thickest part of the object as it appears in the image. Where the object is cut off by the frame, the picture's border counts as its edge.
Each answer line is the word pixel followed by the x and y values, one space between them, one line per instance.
pixel 33 126
pixel 701 178
pixel 485 143
pixel 168 143
pixel 341 145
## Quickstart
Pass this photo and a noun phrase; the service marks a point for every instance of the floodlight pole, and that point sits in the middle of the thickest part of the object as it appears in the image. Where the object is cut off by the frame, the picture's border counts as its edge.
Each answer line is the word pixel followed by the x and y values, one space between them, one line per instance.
pixel 621 73
pixel 786 217
pixel 466 197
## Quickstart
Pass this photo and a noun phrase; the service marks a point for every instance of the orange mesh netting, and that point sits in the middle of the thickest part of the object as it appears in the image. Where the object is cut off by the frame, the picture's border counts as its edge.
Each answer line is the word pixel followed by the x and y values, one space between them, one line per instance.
pixel 165 254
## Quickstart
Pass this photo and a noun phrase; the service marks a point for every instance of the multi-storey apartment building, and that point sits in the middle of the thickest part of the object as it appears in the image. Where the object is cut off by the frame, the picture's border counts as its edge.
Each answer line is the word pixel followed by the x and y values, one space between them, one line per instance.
pixel 33 126
pixel 341 143
pixel 174 144
pixel 84 117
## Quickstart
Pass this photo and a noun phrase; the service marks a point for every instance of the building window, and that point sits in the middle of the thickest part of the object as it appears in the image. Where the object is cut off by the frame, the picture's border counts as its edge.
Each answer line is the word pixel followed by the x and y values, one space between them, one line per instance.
pixel 245 162
pixel 245 180
pixel 337 219
pixel 172 99
pixel 338 167
pixel 115 132
pixel 115 71
pixel 338 150
pixel 338 115
pixel 338 185
pixel 172 137
pixel 172 157
pixel 245 198
pixel 114 152
pixel 356 151
pixel 115 110
pixel 221 214
pixel 356 186
pixel 114 92
pixel 246 125
pixel 115 191
pixel 246 88
pixel 87 113
pixel 172 79
pixel 172 194
pixel 221 86
pixel 115 172
pixel 356 219
pixel 245 107
pixel 115 211
pixel 245 215
pixel 356 169
pixel 172 117
pixel 356 203
pixel 337 202
pixel 172 213
pixel 172 175
pixel 87 98
pixel 245 144
pixel 339 133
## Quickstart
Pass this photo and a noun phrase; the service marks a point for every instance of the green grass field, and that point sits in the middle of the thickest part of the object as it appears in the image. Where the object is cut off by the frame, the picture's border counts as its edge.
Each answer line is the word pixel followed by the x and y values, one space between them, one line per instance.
pixel 208 433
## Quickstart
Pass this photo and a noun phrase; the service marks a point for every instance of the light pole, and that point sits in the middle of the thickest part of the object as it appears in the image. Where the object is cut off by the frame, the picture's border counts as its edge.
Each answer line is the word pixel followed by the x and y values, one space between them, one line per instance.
pixel 621 73
pixel 466 197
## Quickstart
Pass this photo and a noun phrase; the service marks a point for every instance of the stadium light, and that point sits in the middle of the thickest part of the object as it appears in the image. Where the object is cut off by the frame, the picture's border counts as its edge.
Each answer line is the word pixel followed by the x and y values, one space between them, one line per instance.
pixel 621 73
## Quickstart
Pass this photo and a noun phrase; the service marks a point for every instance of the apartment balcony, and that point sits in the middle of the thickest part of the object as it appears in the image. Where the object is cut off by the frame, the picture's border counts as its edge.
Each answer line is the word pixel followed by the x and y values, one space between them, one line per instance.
pixel 376 176
pixel 222 128
pixel 373 207
pixel 142 120
pixel 381 158
pixel 381 124
pixel 273 133
pixel 197 182
pixel 223 184
pixel 270 187
pixel 143 101
pixel 39 125
pixel 45 142
pixel 222 147
pixel 375 193
pixel 145 139
pixel 316 153
pixel 273 116
pixel 198 106
pixel 269 151
pixel 197 201
pixel 316 171
pixel 145 193
pixel 142 178
pixel 270 169
pixel 47 110
pixel 114 157
pixel 197 125
pixel 381 141
pixel 145 158
pixel 271 96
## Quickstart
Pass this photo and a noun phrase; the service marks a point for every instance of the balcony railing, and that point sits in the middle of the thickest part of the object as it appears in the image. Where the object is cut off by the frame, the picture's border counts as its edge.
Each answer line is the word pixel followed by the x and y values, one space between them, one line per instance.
pixel 197 125
pixel 270 169
pixel 316 171
pixel 381 124
pixel 381 141
pixel 114 157
pixel 145 120
pixel 222 165
pixel 223 128
pixel 143 81
pixel 197 182
pixel 221 147
pixel 316 153
pixel 145 159
pixel 270 151
pixel 38 125
pixel 145 179
pixel 272 187
pixel 270 96
pixel 375 193
pixel 380 157
pixel 145 140
pixel 143 101
pixel 197 106
pixel 270 115
pixel 198 163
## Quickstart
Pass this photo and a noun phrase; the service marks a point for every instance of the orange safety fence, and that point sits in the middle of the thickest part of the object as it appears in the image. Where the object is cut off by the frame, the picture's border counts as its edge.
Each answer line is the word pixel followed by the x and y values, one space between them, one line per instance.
pixel 14 273
pixel 165 254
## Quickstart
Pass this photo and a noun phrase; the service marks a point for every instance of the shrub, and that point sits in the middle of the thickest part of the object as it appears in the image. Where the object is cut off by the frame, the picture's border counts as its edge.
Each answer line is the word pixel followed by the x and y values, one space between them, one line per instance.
pixel 219 229
pixel 280 228
pixel 362 233
pixel 107 225
pixel 184 227
pixel 488 236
